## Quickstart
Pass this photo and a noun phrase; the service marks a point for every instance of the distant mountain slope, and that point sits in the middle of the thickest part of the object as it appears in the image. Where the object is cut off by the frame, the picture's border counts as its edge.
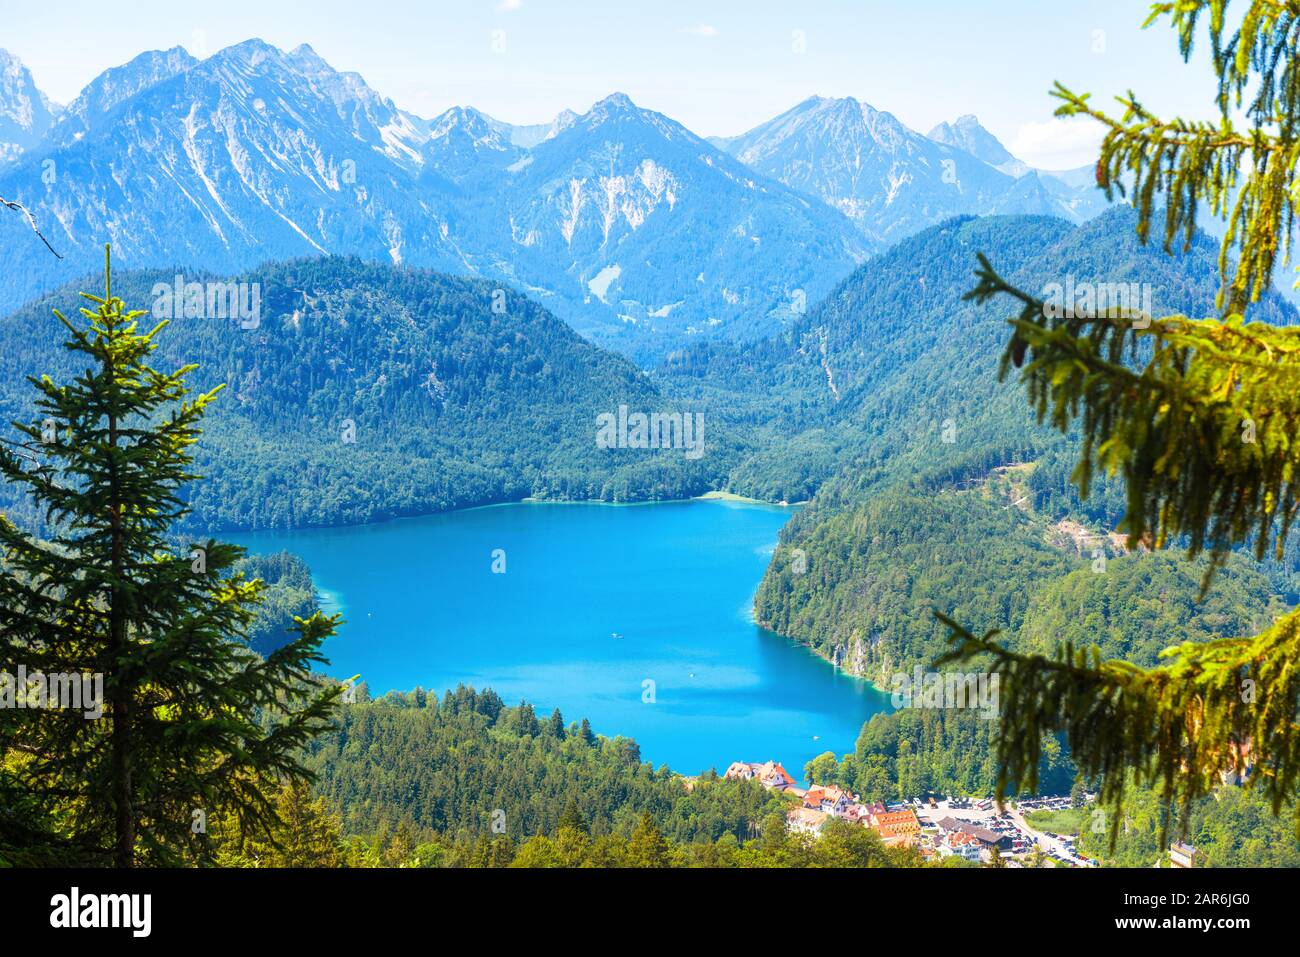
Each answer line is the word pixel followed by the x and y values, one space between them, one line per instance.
pixel 891 180
pixel 529 136
pixel 468 148
pixel 249 155
pixel 655 228
pixel 965 133
pixel 1070 193
pixel 366 392
pixel 113 87
pixel 624 223
pixel 888 179
pixel 26 115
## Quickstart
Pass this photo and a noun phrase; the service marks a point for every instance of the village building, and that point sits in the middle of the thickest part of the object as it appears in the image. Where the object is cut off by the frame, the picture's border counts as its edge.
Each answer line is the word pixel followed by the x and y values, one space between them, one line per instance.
pixel 828 798
pixel 1182 855
pixel 769 774
pixel 823 802
pixel 985 837
pixel 896 827
pixel 960 844
pixel 804 820
pixel 858 814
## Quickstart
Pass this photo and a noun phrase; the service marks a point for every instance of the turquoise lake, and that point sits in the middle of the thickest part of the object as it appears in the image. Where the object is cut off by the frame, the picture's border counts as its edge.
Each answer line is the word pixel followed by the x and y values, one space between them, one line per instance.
pixel 594 601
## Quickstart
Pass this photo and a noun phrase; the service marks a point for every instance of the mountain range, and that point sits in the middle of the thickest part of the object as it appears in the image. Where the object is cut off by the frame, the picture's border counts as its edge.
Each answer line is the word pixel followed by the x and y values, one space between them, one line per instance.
pixel 892 181
pixel 621 221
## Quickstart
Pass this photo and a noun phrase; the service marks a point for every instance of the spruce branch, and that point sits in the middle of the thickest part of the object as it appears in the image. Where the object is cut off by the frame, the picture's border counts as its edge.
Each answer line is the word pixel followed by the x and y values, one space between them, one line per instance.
pixel 1216 710
pixel 1202 432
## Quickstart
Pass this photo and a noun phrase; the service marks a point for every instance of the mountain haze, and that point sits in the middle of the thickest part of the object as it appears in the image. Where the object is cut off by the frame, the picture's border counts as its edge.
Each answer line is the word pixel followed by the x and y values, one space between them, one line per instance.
pixel 621 221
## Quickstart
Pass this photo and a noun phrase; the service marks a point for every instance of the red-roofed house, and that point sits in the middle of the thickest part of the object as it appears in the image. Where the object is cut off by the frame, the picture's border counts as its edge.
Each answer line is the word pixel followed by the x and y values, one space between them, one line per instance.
pixel 858 814
pixel 770 774
pixel 961 844
pixel 829 798
pixel 897 827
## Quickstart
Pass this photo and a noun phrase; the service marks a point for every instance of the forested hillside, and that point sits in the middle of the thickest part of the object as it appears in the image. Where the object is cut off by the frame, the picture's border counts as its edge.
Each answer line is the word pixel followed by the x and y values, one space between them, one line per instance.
pixel 365 392
pixel 467 781
pixel 449 765
pixel 940 489
pixel 939 751
pixel 290 593
pixel 1235 827
pixel 874 574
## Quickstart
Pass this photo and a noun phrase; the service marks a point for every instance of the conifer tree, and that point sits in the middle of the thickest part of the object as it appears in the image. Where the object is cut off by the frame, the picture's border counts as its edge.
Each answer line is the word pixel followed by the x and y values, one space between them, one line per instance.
pixel 647 846
pixel 307 834
pixel 194 724
pixel 572 845
pixel 555 725
pixel 1199 417
pixel 572 817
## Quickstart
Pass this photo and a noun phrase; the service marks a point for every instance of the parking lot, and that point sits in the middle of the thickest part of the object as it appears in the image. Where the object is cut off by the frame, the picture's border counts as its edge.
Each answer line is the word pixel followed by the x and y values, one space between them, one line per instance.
pixel 1010 823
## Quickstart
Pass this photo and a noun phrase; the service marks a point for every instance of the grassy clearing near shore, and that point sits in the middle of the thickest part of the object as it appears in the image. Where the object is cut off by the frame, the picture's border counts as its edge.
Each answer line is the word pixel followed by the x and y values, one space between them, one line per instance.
pixel 718 496
pixel 1069 821
pixel 729 497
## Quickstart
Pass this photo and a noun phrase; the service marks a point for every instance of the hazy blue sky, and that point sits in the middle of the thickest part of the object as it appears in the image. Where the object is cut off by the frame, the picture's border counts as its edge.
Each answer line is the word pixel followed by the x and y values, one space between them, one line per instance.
pixel 717 67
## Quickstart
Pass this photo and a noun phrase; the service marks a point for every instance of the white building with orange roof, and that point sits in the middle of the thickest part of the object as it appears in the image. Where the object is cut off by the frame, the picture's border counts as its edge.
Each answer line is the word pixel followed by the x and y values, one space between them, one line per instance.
pixel 829 798
pixel 805 820
pixel 960 844
pixel 770 774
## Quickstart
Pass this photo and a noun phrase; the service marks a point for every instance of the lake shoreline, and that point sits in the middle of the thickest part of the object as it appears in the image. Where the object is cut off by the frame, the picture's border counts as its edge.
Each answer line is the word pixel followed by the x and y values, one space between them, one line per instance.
pixel 580 623
pixel 713 495
pixel 717 496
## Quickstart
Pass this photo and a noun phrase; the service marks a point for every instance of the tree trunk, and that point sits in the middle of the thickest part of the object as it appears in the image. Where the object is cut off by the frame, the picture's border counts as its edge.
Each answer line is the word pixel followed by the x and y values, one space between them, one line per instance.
pixel 124 846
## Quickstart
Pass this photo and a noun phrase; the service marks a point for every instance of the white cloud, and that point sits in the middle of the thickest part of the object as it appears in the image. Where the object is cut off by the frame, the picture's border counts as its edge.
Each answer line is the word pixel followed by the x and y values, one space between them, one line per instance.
pixel 506 6
pixel 703 30
pixel 1058 143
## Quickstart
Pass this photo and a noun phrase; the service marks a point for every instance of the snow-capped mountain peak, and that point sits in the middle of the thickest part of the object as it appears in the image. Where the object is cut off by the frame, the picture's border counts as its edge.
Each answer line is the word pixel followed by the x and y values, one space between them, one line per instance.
pixel 617 111
pixel 469 122
pixel 866 163
pixel 463 145
pixel 115 86
pixel 248 155
pixel 888 178
pixel 966 133
pixel 620 219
